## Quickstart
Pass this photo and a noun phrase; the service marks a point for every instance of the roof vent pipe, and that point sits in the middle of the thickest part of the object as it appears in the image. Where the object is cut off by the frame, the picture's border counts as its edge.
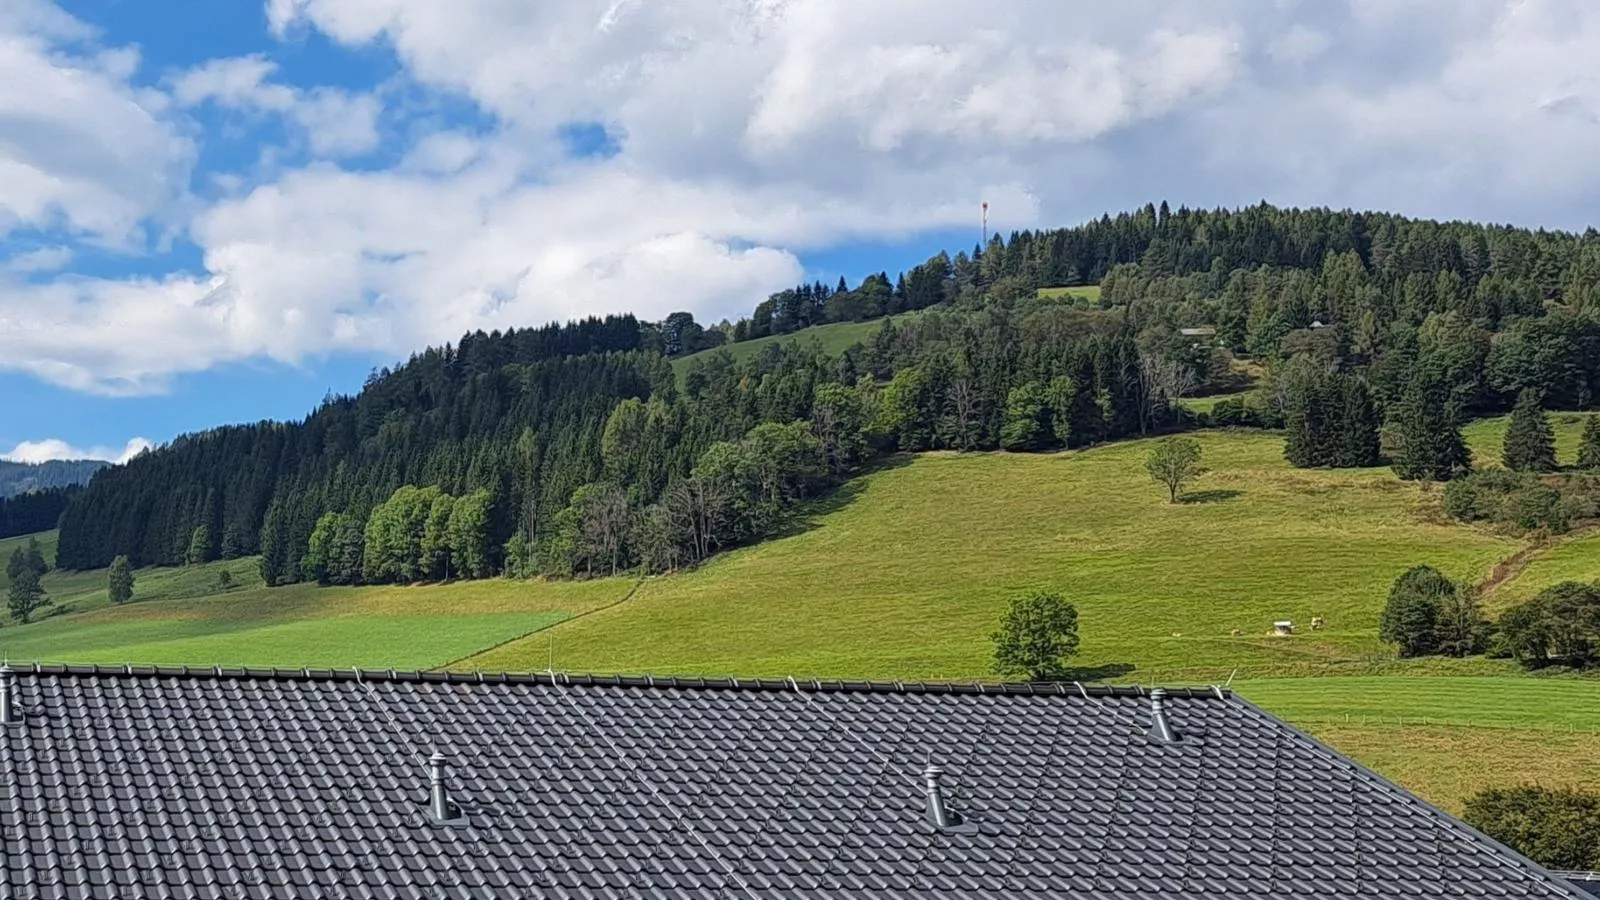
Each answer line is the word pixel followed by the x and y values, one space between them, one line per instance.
pixel 937 813
pixel 1160 729
pixel 10 708
pixel 440 808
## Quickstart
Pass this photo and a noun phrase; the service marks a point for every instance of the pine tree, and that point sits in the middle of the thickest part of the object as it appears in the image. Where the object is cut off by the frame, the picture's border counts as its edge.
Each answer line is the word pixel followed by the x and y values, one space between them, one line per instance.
pixel 1530 444
pixel 1431 446
pixel 1589 448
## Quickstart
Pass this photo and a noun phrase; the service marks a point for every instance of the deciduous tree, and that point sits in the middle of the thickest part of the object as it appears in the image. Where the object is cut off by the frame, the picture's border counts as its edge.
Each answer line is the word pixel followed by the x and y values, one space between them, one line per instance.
pixel 1027 421
pixel 1555 827
pixel 26 595
pixel 1411 617
pixel 1037 635
pixel 199 546
pixel 119 581
pixel 1174 462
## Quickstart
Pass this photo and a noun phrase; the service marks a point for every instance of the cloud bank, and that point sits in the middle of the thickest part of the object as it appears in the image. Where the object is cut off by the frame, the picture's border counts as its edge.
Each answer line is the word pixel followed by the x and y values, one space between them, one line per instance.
pixel 745 133
pixel 52 448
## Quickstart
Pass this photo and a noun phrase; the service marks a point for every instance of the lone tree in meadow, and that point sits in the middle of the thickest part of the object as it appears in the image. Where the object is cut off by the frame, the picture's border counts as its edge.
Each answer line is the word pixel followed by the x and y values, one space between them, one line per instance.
pixel 1036 637
pixel 119 583
pixel 1530 444
pixel 1175 462
pixel 1412 617
pixel 26 596
pixel 1589 447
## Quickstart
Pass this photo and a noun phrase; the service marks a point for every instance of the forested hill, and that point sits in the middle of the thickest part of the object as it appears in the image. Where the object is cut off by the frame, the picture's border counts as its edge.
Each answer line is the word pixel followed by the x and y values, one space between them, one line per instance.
pixel 34 511
pixel 20 478
pixel 573 448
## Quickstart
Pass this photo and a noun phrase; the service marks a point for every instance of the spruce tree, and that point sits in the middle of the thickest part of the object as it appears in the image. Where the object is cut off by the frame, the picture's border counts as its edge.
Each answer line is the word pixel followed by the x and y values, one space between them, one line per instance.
pixel 1431 446
pixel 1356 438
pixel 1530 444
pixel 1300 445
pixel 1589 448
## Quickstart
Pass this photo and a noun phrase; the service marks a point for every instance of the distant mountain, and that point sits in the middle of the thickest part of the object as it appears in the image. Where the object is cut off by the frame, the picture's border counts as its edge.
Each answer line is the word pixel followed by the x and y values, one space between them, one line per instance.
pixel 20 478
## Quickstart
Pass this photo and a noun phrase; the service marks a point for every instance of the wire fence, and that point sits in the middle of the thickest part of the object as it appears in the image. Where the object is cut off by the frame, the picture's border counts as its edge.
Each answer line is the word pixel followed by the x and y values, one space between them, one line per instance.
pixel 1450 722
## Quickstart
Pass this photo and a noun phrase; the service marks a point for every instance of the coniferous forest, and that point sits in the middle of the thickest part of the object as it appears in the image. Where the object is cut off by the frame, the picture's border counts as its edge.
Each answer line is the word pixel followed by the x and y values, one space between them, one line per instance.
pixel 577 449
pixel 34 511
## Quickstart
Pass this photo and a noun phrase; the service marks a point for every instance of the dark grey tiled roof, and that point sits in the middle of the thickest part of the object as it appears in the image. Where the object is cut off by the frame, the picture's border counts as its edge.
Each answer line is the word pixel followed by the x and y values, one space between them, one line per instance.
pixel 1588 882
pixel 245 784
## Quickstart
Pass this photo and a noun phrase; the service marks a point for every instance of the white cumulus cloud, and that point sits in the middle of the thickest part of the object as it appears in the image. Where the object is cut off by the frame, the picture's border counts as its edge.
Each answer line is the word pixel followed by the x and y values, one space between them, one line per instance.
pixel 335 122
pixel 54 448
pixel 747 133
pixel 81 149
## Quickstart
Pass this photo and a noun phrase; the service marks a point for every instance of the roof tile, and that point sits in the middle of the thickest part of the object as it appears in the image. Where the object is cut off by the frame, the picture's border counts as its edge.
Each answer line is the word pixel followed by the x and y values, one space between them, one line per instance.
pixel 222 783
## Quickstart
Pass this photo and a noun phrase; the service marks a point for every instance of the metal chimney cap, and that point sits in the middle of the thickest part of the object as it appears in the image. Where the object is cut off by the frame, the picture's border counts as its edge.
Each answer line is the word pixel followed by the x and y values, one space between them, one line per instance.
pixel 1161 730
pixel 442 809
pixel 10 708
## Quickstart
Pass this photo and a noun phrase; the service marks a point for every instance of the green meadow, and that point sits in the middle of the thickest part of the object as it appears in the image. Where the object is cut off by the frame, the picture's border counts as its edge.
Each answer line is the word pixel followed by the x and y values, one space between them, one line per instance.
pixel 833 340
pixel 418 627
pixel 1089 292
pixel 887 579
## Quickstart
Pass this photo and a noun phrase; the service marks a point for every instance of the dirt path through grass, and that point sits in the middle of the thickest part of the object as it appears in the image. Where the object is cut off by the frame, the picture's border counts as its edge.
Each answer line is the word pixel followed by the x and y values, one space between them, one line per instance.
pixel 1510 568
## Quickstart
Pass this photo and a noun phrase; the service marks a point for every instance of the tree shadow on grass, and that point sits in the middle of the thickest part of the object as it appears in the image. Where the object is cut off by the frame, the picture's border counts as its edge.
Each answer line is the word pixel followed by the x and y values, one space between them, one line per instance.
pixel 1220 496
pixel 1097 673
pixel 809 515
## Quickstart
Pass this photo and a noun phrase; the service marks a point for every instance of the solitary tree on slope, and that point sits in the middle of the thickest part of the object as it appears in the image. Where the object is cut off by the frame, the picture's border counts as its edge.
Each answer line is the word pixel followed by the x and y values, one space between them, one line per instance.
pixel 1037 635
pixel 1175 462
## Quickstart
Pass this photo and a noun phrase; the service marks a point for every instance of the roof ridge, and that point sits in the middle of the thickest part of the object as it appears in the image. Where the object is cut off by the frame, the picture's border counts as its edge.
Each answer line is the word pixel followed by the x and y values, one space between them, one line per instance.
pixel 1024 688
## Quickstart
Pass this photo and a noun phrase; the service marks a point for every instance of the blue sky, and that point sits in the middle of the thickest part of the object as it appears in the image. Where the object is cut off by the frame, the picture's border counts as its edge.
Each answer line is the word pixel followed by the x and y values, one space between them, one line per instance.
pixel 216 212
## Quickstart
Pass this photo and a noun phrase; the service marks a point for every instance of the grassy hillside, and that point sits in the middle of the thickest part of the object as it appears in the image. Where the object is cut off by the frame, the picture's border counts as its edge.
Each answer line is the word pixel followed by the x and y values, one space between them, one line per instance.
pixel 1449 737
pixel 882 581
pixel 74 592
pixel 887 584
pixel 416 627
pixel 1487 436
pixel 834 339
pixel 1574 558
pixel 1208 403
pixel 47 544
pixel 1089 292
